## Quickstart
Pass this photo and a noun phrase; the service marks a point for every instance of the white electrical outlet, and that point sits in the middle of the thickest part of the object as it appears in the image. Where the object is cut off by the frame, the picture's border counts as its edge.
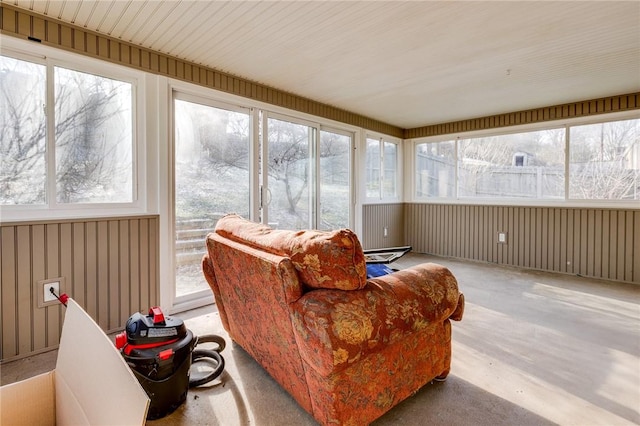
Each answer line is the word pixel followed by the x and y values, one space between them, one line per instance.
pixel 42 291
pixel 385 231
pixel 48 296
pixel 502 237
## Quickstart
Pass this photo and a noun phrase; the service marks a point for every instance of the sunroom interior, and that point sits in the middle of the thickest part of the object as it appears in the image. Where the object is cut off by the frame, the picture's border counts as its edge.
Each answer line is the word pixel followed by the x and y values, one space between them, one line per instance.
pixel 500 134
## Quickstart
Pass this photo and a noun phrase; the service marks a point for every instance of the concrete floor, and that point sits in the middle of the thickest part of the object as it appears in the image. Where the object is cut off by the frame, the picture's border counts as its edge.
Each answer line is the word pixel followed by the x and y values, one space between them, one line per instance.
pixel 534 348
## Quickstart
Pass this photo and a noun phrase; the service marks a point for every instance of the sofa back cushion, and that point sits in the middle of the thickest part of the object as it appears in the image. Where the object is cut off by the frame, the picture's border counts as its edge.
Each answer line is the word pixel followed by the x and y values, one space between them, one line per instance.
pixel 323 259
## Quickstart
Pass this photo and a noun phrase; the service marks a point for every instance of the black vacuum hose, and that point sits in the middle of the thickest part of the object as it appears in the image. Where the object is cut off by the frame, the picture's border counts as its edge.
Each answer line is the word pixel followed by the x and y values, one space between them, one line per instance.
pixel 211 355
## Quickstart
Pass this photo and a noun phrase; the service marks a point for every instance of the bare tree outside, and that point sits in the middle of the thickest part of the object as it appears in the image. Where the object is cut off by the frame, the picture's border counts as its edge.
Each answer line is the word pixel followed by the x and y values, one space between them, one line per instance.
pixel 605 161
pixel 93 138
pixel 22 132
pixel 298 183
pixel 289 170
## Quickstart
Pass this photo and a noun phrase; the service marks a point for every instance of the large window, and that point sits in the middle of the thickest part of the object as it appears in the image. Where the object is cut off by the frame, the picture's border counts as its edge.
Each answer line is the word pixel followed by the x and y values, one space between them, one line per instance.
pixel 381 168
pixel 603 164
pixel 301 169
pixel 605 161
pixel 66 136
pixel 93 138
pixel 307 175
pixel 522 165
pixel 290 175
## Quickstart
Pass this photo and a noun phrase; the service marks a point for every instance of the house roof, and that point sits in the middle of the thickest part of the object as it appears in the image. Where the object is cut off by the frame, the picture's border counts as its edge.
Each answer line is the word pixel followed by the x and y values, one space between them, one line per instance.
pixel 408 64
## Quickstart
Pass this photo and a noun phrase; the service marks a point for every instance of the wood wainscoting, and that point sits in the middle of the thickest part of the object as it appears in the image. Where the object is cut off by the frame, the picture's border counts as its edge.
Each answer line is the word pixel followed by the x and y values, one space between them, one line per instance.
pixel 109 266
pixel 593 242
pixel 378 217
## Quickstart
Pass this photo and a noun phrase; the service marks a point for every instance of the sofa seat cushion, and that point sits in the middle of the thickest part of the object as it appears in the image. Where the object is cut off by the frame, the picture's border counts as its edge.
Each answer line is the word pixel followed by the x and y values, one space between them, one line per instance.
pixel 323 259
pixel 337 329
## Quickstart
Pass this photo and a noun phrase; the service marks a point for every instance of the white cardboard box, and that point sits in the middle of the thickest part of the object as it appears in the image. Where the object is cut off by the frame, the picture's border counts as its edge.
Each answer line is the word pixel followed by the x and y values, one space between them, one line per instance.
pixel 91 384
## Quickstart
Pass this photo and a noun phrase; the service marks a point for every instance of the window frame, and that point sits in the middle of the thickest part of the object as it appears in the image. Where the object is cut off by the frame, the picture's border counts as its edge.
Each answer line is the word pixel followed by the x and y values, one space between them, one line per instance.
pixel 202 296
pixel 168 89
pixel 52 209
pixel 565 124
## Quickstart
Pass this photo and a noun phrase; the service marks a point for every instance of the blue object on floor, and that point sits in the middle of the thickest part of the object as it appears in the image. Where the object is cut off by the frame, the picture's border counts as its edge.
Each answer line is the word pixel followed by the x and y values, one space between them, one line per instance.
pixel 377 270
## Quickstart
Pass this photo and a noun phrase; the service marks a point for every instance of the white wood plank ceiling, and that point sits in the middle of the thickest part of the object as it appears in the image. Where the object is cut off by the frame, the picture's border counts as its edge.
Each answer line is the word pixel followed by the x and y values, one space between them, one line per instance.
pixel 405 63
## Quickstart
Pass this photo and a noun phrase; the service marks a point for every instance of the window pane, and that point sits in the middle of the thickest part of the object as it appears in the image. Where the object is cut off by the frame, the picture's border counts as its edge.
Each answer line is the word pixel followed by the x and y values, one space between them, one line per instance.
pixel 290 180
pixel 94 142
pixel 436 169
pixel 524 165
pixel 605 161
pixel 22 132
pixel 372 168
pixel 389 178
pixel 334 180
pixel 211 180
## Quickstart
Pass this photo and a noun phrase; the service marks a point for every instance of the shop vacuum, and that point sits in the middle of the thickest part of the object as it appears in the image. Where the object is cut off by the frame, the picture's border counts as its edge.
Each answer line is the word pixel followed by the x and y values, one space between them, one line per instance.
pixel 160 350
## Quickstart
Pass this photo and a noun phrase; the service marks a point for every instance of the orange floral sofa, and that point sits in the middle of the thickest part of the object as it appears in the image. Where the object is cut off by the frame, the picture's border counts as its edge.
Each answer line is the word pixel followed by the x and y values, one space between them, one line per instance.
pixel 346 348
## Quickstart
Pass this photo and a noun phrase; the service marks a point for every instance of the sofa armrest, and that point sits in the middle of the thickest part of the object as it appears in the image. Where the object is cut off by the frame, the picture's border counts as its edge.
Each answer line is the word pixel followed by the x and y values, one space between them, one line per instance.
pixel 210 276
pixel 432 286
pixel 335 328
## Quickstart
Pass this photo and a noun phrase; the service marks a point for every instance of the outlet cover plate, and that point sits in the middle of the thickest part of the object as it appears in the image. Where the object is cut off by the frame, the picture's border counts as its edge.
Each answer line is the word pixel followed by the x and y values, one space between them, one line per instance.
pixel 38 292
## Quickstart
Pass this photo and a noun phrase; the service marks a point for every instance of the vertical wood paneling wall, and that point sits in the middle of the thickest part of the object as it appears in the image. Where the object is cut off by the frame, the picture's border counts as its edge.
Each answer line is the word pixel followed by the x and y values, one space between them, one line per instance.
pixel 375 218
pixel 110 267
pixel 23 24
pixel 593 242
